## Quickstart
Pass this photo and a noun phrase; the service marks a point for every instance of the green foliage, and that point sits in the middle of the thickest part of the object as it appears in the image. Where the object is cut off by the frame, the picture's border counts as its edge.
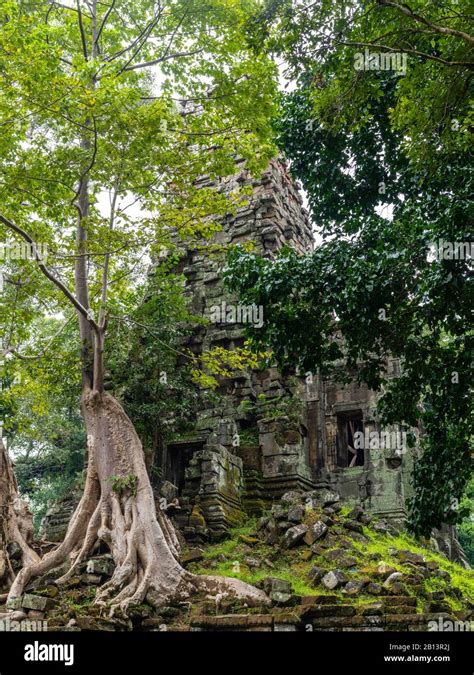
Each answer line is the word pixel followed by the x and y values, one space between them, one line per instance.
pixel 125 484
pixel 219 362
pixel 165 96
pixel 49 477
pixel 466 526
pixel 42 420
pixel 384 157
pixel 249 437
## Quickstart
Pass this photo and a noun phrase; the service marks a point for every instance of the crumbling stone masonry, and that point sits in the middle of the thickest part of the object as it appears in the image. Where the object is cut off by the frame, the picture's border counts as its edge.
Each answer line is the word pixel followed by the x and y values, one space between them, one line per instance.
pixel 271 432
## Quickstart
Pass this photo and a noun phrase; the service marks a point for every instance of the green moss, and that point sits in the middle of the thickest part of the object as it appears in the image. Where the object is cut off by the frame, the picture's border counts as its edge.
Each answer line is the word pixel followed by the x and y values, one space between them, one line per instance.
pixel 228 558
pixel 227 547
pixel 311 516
pixel 460 578
pixel 77 600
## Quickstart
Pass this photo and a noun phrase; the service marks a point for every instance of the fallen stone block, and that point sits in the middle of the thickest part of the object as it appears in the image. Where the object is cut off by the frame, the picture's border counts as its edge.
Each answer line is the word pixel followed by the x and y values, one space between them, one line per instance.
pixel 334 579
pixel 192 555
pixel 37 602
pixel 294 536
pixel 315 531
pixel 102 566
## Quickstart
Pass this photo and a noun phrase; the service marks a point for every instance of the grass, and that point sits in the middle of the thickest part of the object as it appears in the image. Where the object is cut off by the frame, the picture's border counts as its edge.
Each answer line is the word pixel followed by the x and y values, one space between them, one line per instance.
pixel 78 600
pixel 228 558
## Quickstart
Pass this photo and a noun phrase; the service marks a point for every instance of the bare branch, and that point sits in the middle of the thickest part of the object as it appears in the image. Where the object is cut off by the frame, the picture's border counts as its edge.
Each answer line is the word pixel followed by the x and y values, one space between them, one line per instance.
pixel 47 272
pixel 143 35
pixel 70 9
pixel 178 26
pixel 104 21
pixel 161 59
pixel 81 28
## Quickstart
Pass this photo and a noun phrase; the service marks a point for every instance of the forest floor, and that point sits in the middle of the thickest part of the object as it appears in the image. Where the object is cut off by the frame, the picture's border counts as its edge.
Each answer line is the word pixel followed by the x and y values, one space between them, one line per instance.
pixel 324 568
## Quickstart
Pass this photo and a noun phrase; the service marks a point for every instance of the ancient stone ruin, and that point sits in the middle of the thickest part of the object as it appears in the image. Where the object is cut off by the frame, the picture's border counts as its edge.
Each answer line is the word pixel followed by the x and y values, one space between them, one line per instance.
pixel 280 446
pixel 271 432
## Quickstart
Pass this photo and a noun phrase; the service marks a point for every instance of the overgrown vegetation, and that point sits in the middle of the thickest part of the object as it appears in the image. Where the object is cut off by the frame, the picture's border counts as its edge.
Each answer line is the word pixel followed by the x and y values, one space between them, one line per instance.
pixel 386 160
pixel 231 557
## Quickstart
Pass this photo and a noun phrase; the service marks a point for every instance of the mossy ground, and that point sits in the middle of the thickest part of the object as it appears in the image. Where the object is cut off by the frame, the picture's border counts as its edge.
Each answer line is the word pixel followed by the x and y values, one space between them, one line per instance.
pixel 244 555
pixel 234 557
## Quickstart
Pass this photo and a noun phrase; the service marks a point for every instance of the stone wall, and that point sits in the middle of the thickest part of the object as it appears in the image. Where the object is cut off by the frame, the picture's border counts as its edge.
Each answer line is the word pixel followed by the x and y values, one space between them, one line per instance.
pixel 270 432
pixel 55 523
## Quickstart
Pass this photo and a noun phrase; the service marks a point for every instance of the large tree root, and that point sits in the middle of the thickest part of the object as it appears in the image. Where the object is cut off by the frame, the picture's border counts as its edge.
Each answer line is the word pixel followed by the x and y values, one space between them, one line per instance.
pixel 16 525
pixel 118 508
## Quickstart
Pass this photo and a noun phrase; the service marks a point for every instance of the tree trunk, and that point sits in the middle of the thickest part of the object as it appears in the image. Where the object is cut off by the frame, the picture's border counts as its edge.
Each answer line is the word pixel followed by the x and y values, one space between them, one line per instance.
pixel 118 508
pixel 16 525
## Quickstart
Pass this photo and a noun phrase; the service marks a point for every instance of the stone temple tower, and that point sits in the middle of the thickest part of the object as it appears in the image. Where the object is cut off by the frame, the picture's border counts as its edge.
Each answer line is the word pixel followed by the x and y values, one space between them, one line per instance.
pixel 269 432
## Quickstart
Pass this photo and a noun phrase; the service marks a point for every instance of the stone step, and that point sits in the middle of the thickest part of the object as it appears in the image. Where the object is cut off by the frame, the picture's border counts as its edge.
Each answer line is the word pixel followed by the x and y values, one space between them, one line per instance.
pixel 400 609
pixel 246 622
pixel 387 622
pixel 320 599
pixel 437 606
pixel 380 608
pixel 391 600
pixel 375 609
pixel 319 611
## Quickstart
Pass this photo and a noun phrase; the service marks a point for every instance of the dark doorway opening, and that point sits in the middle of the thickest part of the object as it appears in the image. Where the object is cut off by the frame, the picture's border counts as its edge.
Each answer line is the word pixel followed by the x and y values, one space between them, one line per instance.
pixel 350 450
pixel 178 456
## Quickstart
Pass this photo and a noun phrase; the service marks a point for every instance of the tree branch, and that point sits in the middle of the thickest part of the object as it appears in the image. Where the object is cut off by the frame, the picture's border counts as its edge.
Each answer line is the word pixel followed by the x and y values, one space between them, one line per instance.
pixel 37 357
pixel 47 272
pixel 415 52
pixel 142 35
pixel 153 333
pixel 405 9
pixel 104 21
pixel 177 55
pixel 173 35
pixel 81 28
pixel 70 9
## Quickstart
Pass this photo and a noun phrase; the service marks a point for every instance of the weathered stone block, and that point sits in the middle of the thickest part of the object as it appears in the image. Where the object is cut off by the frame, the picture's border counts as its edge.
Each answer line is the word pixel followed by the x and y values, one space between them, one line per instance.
pixel 37 602
pixel 353 587
pixel 101 566
pixel 281 598
pixel 296 513
pixel 274 585
pixel 315 531
pixel 294 535
pixel 334 579
pixel 315 575
pixel 192 555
